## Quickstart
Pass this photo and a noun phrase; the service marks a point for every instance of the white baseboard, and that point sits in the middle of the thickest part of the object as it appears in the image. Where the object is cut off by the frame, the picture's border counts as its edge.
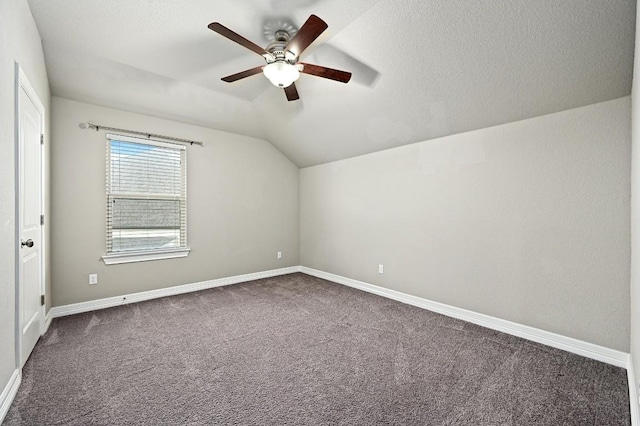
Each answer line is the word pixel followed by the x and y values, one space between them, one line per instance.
pixel 9 392
pixel 633 393
pixel 76 308
pixel 579 347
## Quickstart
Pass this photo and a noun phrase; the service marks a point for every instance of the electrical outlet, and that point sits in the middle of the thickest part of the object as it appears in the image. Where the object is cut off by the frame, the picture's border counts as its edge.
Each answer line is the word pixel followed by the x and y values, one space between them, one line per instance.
pixel 93 279
pixel 279 255
pixel 381 269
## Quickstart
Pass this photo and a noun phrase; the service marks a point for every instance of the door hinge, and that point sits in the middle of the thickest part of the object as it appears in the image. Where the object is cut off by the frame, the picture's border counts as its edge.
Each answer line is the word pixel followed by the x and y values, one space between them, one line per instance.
pixel 41 219
pixel 41 139
pixel 42 300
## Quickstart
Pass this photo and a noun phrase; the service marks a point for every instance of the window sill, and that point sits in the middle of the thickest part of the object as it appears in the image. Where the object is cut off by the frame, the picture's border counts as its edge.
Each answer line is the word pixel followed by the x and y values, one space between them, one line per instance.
pixel 144 256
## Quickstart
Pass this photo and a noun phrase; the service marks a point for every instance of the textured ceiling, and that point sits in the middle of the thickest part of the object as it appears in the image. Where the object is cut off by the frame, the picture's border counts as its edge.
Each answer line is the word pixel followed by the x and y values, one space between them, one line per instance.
pixel 422 68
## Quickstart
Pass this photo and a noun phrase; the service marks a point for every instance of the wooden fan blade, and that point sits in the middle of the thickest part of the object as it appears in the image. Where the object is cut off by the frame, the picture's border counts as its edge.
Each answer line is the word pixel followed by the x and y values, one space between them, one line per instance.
pixel 226 32
pixel 309 31
pixel 291 92
pixel 330 73
pixel 242 74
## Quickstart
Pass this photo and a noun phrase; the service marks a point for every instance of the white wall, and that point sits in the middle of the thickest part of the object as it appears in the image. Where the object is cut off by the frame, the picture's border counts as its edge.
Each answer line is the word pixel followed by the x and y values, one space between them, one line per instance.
pixel 19 42
pixel 527 221
pixel 242 206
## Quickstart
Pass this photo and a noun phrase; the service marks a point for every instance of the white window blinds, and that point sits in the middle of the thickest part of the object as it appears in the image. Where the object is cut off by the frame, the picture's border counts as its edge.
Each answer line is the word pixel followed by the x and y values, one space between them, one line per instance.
pixel 146 195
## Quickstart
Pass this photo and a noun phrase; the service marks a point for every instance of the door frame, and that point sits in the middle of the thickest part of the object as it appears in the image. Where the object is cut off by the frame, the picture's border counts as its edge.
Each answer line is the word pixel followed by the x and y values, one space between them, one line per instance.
pixel 22 83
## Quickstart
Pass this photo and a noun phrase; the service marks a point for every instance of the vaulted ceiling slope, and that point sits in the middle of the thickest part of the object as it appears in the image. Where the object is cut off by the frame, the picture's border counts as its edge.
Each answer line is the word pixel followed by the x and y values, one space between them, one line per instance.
pixel 421 68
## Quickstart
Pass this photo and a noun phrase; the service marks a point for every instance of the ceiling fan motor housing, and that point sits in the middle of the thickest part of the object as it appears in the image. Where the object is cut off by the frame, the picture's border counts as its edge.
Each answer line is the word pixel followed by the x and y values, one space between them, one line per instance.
pixel 277 48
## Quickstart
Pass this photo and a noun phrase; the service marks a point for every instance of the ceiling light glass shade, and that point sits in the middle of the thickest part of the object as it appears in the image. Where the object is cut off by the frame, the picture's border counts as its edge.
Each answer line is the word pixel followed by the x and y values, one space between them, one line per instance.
pixel 281 74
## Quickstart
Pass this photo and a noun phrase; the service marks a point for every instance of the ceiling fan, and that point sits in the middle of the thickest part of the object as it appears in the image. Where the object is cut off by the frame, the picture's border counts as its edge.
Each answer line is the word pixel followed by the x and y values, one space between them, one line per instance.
pixel 282 56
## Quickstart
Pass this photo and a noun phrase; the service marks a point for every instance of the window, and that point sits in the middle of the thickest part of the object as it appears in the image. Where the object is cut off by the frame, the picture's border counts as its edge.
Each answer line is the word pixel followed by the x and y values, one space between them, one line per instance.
pixel 146 200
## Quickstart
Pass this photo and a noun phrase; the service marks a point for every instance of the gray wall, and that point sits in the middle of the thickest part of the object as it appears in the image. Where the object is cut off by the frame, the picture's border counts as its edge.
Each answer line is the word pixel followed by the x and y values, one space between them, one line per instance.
pixel 527 221
pixel 635 212
pixel 19 42
pixel 242 206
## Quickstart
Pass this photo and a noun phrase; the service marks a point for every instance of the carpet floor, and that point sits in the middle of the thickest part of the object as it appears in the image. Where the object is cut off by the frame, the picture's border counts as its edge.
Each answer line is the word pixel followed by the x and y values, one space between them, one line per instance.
pixel 298 350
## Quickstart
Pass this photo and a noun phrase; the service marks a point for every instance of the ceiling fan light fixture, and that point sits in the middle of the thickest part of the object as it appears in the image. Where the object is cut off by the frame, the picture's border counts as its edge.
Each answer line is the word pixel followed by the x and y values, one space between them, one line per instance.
pixel 281 73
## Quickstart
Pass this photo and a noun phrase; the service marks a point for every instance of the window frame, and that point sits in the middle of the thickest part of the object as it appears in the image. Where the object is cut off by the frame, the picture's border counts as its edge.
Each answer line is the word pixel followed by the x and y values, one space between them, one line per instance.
pixel 118 257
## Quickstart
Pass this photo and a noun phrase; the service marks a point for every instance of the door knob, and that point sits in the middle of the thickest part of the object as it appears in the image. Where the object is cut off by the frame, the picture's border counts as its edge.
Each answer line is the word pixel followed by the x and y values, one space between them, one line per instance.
pixel 28 243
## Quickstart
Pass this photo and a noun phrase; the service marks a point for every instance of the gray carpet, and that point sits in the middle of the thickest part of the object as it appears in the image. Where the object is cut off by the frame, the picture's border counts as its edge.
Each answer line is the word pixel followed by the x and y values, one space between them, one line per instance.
pixel 298 350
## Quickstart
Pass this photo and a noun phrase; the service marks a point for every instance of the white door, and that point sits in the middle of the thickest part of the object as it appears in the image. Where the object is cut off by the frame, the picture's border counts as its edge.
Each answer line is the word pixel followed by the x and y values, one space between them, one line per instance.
pixel 30 129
